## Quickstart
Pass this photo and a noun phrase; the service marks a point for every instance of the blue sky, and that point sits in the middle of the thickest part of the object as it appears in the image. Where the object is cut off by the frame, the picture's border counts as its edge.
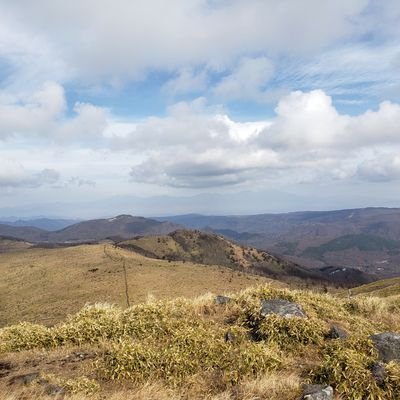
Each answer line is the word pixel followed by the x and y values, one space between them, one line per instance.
pixel 295 103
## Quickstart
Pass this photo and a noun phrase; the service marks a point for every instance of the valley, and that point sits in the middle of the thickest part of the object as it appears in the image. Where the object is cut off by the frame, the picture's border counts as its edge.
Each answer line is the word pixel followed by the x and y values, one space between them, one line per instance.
pixel 367 239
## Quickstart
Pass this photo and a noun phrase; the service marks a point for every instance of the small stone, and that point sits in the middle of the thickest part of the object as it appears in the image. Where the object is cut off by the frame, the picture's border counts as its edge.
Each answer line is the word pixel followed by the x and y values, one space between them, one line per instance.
pixel 378 372
pixel 388 346
pixel 229 337
pixel 25 379
pixel 222 300
pixel 337 333
pixel 318 392
pixel 54 390
pixel 284 308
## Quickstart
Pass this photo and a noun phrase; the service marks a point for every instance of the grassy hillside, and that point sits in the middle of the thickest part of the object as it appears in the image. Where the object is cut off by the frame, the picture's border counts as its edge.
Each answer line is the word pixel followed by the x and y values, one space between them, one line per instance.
pixel 211 249
pixel 11 245
pixel 382 288
pixel 196 349
pixel 44 285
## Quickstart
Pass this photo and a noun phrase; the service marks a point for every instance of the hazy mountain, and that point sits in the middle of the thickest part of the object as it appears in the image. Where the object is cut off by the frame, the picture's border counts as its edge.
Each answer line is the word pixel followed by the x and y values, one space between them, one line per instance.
pixel 368 238
pixel 25 233
pixel 120 227
pixel 48 224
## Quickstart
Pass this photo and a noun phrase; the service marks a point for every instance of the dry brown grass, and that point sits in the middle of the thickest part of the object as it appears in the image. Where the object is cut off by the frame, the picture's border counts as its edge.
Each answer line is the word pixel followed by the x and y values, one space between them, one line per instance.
pixel 45 285
pixel 176 350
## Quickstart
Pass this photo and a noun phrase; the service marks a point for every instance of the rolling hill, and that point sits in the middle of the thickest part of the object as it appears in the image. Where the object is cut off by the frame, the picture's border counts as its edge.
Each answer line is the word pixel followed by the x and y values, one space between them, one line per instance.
pixel 366 238
pixel 207 248
pixel 44 285
pixel 27 233
pixel 382 288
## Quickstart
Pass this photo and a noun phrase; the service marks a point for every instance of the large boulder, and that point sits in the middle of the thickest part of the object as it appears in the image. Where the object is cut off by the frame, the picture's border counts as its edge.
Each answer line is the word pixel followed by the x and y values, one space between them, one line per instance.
pixel 318 392
pixel 284 308
pixel 388 346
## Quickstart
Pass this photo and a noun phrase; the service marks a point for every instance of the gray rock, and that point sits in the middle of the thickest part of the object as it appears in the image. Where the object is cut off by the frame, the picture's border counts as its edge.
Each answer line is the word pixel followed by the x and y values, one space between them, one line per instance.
pixel 229 337
pixel 318 392
pixel 378 372
pixel 284 308
pixel 388 346
pixel 55 390
pixel 337 333
pixel 25 379
pixel 222 300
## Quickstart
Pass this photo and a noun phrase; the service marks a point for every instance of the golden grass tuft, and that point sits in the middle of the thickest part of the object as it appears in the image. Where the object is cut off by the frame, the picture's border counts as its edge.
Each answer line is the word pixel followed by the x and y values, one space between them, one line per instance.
pixel 181 349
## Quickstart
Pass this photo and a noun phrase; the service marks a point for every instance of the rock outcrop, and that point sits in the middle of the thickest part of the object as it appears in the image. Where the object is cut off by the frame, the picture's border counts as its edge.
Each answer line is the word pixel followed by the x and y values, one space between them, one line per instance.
pixel 388 346
pixel 284 308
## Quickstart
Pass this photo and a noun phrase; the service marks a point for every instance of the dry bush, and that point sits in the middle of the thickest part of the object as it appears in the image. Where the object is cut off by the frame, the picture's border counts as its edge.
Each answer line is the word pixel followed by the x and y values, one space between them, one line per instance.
pixel 25 336
pixel 347 365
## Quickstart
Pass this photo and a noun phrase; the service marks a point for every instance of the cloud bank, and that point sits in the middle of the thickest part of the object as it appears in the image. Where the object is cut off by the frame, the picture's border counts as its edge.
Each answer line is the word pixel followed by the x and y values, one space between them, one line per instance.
pixel 307 138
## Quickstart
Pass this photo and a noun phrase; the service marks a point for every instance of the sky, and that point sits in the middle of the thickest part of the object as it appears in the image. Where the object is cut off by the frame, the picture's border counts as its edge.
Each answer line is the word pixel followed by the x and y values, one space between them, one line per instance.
pixel 215 106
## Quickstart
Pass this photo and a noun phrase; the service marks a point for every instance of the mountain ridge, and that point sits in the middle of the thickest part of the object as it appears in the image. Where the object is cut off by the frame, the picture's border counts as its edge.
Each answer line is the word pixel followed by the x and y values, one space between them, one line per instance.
pixel 119 227
pixel 291 234
pixel 211 249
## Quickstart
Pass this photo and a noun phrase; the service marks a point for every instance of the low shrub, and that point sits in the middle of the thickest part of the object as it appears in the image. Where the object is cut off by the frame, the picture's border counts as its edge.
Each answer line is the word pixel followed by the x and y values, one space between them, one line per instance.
pixel 90 325
pixel 290 333
pixel 82 385
pixel 185 353
pixel 346 366
pixel 25 336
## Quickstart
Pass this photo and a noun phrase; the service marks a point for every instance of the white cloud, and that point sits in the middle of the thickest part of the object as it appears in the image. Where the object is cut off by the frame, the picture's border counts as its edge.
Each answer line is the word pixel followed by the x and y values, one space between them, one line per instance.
pixel 14 175
pixel 304 120
pixel 361 70
pixel 247 81
pixel 122 42
pixel 197 146
pixel 307 141
pixel 383 168
pixel 211 168
pixel 187 81
pixel 310 121
pixel 35 113
pixel 28 58
pixel 43 114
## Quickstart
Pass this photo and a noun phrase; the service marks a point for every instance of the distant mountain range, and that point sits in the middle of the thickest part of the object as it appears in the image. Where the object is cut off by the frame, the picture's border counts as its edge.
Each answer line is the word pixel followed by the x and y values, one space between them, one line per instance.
pixel 47 224
pixel 367 239
pixel 117 228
